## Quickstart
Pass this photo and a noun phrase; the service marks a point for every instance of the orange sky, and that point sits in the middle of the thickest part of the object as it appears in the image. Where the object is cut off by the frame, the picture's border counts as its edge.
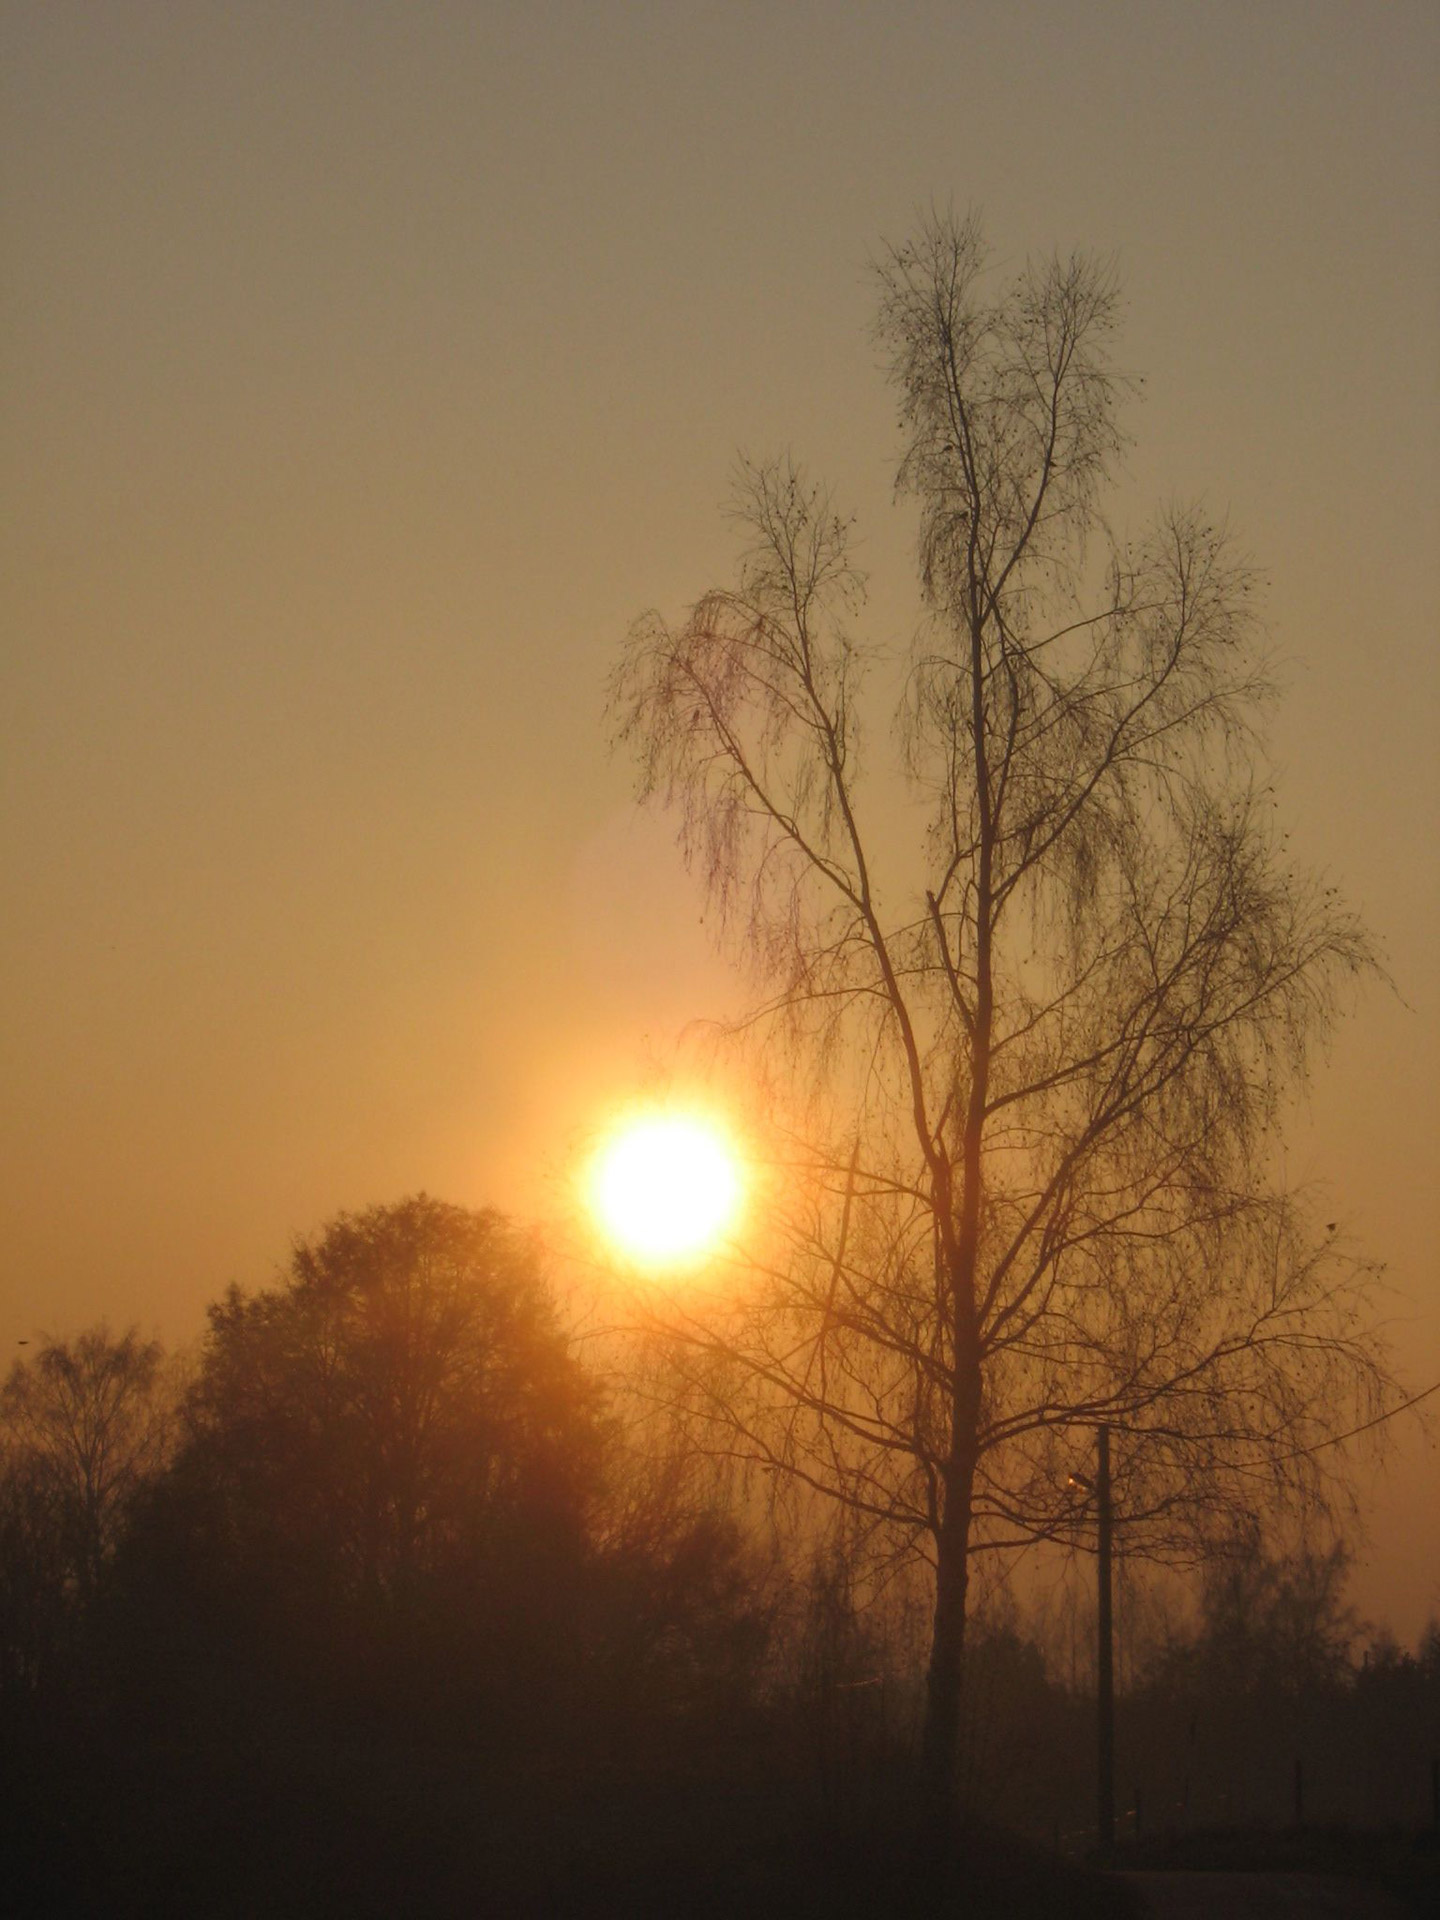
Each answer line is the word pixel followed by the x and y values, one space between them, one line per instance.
pixel 367 369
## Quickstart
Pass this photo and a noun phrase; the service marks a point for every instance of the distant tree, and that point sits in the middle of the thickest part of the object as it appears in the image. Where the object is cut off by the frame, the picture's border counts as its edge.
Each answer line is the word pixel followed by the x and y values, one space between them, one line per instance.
pixel 36 1578
pixel 85 1426
pixel 1277 1624
pixel 401 1494
pixel 85 1422
pixel 1260 1681
pixel 1034 1063
pixel 402 1416
pixel 1393 1735
pixel 683 1601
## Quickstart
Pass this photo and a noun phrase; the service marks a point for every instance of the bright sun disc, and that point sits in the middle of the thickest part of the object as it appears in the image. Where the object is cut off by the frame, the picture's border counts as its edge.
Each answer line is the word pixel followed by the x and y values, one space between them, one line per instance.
pixel 666 1187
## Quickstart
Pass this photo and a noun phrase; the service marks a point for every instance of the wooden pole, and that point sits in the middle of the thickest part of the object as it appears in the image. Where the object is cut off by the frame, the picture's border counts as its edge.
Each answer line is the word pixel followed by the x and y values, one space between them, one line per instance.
pixel 1105 1672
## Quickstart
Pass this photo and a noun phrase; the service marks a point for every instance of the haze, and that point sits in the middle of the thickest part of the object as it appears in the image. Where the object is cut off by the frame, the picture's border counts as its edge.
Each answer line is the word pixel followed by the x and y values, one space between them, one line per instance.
pixel 368 369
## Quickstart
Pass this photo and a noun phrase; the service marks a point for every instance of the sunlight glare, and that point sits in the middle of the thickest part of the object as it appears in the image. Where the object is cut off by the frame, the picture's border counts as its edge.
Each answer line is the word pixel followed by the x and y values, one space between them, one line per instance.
pixel 665 1187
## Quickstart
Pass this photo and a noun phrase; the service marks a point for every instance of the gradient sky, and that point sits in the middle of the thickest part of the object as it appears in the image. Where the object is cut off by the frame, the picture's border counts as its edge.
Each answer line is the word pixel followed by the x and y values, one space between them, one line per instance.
pixel 367 368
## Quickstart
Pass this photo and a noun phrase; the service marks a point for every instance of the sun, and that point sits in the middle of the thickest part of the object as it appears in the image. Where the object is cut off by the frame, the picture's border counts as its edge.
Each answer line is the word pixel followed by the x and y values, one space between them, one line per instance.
pixel 665 1187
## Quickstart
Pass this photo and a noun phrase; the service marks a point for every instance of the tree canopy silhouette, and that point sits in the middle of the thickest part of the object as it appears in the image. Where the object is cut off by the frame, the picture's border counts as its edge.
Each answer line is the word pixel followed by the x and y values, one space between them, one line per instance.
pixel 1036 1059
pixel 394 1448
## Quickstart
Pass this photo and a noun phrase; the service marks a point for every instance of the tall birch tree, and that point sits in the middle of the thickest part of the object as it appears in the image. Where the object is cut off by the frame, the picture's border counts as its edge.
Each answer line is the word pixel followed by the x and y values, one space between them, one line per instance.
pixel 1035 1063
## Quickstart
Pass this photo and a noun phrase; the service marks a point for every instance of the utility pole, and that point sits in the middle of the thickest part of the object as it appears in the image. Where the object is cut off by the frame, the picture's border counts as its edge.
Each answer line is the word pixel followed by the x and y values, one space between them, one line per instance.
pixel 1105 1664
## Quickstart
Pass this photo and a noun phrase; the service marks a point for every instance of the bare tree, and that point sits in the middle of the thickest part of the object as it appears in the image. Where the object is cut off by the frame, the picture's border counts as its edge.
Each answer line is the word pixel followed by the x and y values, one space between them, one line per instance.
pixel 87 1420
pixel 1044 1050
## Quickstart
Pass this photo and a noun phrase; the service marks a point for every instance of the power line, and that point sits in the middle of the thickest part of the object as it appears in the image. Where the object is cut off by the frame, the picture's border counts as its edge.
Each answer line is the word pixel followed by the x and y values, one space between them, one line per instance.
pixel 1336 1438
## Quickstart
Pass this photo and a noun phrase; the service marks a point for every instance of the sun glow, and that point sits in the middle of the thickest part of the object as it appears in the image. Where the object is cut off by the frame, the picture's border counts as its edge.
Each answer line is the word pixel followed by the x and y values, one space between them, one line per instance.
pixel 665 1187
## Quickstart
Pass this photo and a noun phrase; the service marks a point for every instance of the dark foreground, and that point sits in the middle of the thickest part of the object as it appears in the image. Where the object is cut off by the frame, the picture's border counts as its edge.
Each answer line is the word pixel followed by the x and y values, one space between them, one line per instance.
pixel 369 1832
pixel 1325 1874
pixel 1262 1896
pixel 360 1834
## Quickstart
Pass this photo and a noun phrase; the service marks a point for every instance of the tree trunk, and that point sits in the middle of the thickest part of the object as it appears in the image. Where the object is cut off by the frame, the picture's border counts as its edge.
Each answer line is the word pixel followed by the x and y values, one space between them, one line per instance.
pixel 945 1680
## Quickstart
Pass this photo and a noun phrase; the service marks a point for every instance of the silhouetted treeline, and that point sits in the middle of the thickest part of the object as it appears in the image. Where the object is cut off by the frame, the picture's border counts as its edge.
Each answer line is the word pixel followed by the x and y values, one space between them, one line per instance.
pixel 1279 1710
pixel 388 1518
pixel 385 1500
pixel 381 1599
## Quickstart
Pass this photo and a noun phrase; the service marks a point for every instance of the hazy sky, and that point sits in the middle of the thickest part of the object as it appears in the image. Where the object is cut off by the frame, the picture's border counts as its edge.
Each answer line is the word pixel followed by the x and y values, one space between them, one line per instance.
pixel 367 368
